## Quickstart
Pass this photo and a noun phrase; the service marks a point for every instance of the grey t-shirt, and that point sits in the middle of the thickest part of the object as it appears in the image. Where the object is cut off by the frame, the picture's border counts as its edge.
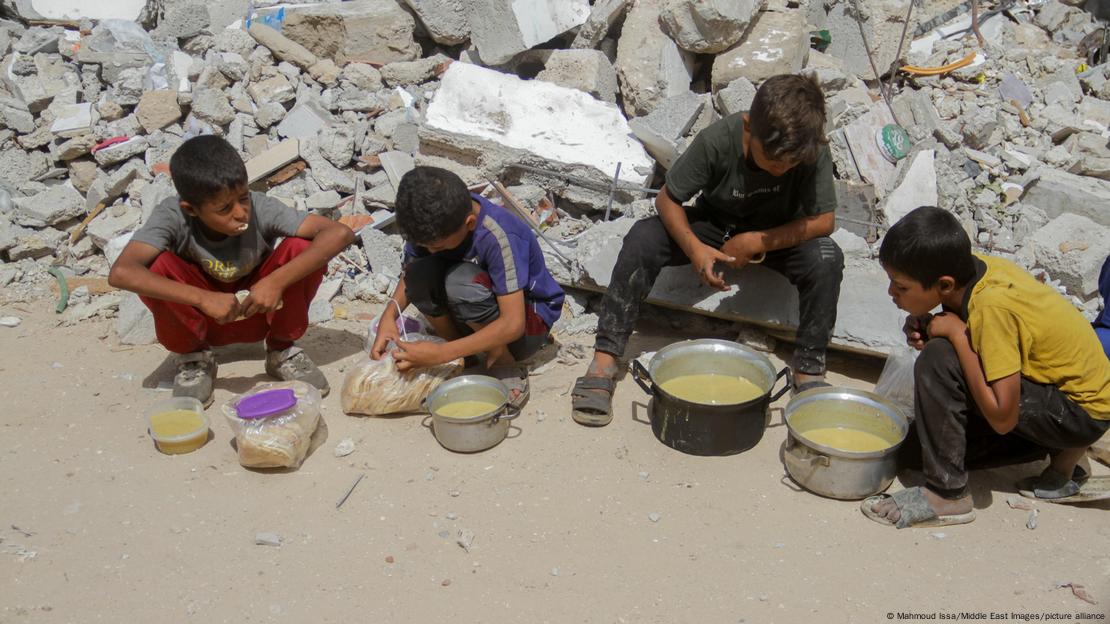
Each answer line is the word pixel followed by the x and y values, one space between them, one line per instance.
pixel 228 260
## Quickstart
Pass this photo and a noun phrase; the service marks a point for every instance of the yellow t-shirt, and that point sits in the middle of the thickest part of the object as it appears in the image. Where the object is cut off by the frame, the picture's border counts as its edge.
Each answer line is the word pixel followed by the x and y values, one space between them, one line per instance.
pixel 1018 324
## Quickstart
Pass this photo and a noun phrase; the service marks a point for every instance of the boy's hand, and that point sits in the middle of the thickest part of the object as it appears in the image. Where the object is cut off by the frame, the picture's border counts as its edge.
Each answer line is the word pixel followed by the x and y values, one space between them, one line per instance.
pixel 387 330
pixel 743 247
pixel 704 260
pixel 914 328
pixel 947 325
pixel 265 297
pixel 418 354
pixel 221 307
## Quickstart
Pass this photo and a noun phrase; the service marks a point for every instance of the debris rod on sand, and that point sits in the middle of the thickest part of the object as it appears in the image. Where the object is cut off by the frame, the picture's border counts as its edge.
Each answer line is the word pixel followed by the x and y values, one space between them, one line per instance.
pixel 585 182
pixel 340 502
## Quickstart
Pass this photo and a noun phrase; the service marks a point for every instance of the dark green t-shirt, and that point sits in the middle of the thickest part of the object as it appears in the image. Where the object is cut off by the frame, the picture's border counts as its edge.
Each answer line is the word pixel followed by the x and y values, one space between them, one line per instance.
pixel 748 199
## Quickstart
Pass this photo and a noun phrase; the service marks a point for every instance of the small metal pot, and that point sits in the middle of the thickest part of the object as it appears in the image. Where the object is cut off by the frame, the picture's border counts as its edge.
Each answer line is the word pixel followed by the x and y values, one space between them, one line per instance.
pixel 697 428
pixel 470 435
pixel 834 472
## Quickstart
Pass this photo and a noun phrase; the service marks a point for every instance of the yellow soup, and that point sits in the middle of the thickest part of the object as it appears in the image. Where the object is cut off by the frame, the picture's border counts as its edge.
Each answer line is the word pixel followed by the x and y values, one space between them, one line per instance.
pixel 466 409
pixel 712 389
pixel 851 440
pixel 177 423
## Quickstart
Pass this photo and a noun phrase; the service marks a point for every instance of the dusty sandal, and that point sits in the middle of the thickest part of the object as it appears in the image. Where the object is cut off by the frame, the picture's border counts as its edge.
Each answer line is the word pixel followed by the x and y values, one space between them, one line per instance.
pixel 915 508
pixel 1051 485
pixel 293 364
pixel 592 400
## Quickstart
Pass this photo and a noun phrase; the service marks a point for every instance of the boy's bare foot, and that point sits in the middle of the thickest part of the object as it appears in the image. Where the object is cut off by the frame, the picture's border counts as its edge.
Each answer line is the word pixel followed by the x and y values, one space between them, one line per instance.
pixel 592 396
pixel 888 509
pixel 805 381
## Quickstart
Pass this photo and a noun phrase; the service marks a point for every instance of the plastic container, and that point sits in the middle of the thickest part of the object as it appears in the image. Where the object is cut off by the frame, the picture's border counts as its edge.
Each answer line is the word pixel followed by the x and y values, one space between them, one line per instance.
pixel 274 423
pixel 167 433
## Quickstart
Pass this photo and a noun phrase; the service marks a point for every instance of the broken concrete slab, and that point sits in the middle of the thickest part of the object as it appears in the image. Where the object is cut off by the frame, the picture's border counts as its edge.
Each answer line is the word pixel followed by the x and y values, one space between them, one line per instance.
pixel 55 205
pixel 918 187
pixel 304 121
pixel 364 31
pixel 530 116
pixel 586 70
pixel 158 109
pixel 1072 248
pixel 736 97
pixel 50 77
pixel 274 89
pixel 282 47
pixel 860 152
pixel 650 65
pixel 325 174
pixel 212 106
pixel 777 44
pixel 383 251
pixel 362 76
pixel 1058 192
pixel 661 130
pixel 708 26
pixel 272 159
pixel 337 145
pixel 130 10
pixel 445 21
pixel 881 23
pixel 501 29
pixel 113 222
pixel 181 21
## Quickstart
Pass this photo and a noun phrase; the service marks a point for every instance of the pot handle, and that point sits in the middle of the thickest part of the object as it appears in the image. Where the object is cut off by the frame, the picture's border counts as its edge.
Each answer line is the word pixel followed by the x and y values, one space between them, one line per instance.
pixel 818 458
pixel 640 374
pixel 785 372
pixel 511 412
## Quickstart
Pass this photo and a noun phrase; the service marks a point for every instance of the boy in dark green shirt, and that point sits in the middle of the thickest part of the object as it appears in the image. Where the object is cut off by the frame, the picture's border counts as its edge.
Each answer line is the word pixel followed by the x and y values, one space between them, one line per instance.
pixel 767 195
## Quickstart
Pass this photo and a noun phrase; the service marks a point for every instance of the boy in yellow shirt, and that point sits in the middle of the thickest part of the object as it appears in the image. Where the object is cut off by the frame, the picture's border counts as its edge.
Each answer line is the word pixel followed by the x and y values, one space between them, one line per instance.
pixel 1007 365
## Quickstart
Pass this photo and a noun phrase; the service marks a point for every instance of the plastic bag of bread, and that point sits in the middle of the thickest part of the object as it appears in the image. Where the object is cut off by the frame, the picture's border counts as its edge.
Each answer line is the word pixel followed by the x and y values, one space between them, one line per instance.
pixel 376 387
pixel 274 423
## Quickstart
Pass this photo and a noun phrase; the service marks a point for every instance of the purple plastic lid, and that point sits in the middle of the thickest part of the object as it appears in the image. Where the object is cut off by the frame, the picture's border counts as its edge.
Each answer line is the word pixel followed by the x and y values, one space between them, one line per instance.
pixel 266 403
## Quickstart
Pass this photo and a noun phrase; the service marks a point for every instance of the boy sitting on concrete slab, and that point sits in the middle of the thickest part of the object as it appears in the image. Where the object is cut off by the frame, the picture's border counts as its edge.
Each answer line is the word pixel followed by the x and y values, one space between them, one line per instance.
pixel 477 274
pixel 215 240
pixel 764 182
pixel 1009 365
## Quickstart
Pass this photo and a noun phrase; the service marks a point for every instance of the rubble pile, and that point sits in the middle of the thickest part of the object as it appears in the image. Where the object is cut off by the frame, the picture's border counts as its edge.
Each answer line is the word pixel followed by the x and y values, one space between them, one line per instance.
pixel 569 111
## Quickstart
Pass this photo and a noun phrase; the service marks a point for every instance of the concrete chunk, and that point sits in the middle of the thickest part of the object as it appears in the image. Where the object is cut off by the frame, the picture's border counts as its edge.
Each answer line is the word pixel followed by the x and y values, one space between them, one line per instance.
pixel 585 70
pixel 603 15
pixel 531 117
pixel 158 109
pixel 135 323
pixel 213 106
pixel 276 89
pixel 121 151
pixel 366 31
pixel 281 46
pixel 414 72
pixel 650 65
pixel 73 120
pixel 708 26
pixel 1058 192
pixel 52 206
pixel 445 20
pixel 396 165
pixel 661 130
pixel 501 29
pixel 304 121
pixel 736 97
pixel 1072 248
pixel 917 188
pixel 777 44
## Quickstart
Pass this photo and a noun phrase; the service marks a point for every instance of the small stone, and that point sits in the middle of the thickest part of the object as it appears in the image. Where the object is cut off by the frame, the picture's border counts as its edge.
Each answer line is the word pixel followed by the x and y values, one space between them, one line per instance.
pixel 452 515
pixel 267 539
pixel 554 571
pixel 389 559
pixel 454 493
pixel 654 516
pixel 446 582
pixel 345 447
pixel 10 321
pixel 644 476
pixel 540 416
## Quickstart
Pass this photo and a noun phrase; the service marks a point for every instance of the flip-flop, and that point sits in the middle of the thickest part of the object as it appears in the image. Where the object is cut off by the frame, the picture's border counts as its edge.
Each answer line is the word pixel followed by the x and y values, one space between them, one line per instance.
pixel 1050 487
pixel 916 512
pixel 588 406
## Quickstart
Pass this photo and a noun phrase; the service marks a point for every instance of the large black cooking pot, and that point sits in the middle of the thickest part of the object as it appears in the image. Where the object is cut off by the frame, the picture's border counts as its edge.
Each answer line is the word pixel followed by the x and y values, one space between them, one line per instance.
pixel 698 428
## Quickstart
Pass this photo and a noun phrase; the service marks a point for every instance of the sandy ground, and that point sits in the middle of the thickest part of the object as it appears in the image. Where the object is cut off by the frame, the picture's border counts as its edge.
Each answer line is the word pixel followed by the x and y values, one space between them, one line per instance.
pixel 110 530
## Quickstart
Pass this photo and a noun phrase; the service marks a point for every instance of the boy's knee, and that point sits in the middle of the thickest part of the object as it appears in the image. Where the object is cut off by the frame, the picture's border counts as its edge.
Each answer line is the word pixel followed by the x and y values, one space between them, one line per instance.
pixel 646 235
pixel 466 282
pixel 827 259
pixel 293 245
pixel 938 358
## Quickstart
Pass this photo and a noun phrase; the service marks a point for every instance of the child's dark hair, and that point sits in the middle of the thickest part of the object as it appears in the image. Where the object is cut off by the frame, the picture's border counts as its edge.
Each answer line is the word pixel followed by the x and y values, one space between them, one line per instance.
pixel 927 244
pixel 204 166
pixel 432 203
pixel 788 117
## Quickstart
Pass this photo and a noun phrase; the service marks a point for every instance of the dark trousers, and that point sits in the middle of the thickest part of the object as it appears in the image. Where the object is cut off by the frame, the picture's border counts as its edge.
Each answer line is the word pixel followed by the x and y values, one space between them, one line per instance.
pixel 954 437
pixel 463 291
pixel 815 267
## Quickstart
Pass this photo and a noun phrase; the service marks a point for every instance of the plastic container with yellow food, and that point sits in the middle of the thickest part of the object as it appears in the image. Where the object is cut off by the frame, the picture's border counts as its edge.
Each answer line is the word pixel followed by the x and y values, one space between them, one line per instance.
pixel 178 425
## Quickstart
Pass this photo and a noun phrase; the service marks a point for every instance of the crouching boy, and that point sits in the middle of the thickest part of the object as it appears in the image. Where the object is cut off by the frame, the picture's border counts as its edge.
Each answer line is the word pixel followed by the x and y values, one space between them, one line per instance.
pixel 217 239
pixel 477 274
pixel 1008 371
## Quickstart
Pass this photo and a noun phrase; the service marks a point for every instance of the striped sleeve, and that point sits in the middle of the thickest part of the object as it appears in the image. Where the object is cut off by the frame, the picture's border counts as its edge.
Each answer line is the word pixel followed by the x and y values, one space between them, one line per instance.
pixel 506 263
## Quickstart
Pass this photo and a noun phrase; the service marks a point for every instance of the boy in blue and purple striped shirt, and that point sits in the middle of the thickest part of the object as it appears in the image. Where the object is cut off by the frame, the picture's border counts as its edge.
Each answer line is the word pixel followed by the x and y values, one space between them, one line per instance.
pixel 475 271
